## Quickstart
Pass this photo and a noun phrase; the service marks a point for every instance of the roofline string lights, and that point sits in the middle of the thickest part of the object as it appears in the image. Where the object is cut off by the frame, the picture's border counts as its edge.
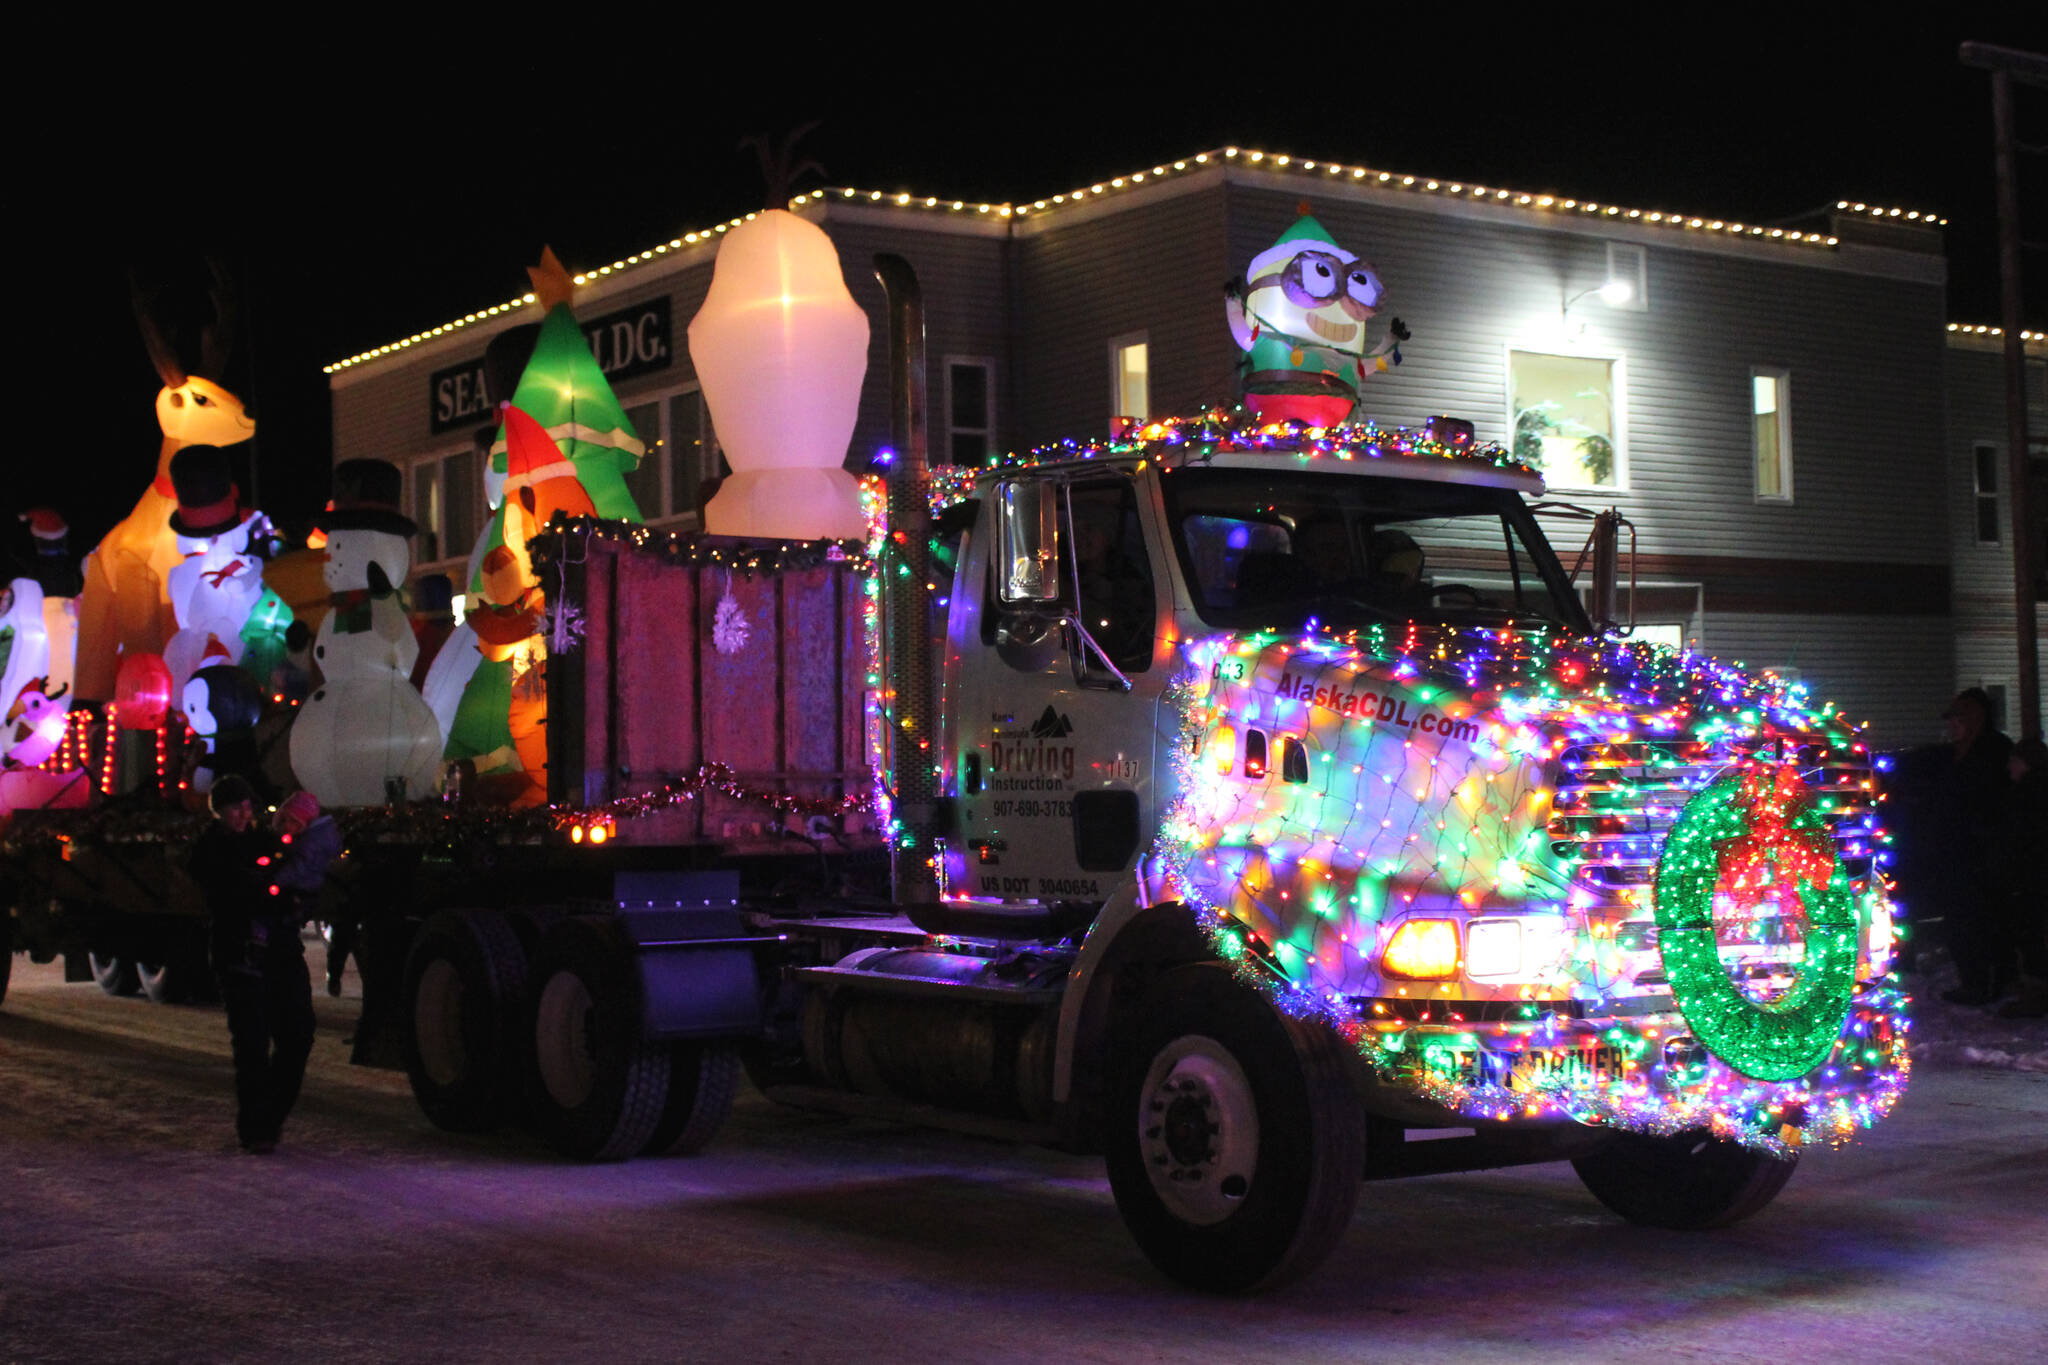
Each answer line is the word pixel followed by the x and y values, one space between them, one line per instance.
pixel 1966 329
pixel 1331 171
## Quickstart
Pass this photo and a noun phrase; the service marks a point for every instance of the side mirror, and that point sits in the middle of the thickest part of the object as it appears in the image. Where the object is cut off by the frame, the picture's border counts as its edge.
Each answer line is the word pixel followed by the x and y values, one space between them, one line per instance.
pixel 1027 543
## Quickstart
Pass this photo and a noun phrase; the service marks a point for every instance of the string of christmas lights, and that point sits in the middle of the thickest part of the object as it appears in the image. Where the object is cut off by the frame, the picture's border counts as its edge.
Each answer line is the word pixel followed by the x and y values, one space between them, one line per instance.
pixel 1350 804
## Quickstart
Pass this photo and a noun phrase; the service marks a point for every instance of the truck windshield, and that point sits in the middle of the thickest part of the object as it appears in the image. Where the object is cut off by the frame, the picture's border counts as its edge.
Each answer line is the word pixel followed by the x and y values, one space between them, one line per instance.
pixel 1276 548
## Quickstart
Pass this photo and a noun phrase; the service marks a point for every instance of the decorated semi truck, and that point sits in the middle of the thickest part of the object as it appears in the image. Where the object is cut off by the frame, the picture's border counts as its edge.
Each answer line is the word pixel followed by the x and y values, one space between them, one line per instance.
pixel 1250 797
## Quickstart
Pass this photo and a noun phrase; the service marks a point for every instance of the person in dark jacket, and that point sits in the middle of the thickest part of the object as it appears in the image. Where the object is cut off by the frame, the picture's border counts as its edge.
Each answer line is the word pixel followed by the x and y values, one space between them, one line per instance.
pixel 258 961
pixel 2022 845
pixel 1978 790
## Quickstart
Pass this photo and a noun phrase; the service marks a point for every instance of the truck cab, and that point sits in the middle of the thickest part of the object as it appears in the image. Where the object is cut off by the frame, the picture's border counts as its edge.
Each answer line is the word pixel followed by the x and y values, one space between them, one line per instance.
pixel 1081 581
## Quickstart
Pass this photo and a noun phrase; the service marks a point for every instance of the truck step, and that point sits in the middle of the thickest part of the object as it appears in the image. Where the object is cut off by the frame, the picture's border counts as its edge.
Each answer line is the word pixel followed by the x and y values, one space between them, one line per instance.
pixel 913 1114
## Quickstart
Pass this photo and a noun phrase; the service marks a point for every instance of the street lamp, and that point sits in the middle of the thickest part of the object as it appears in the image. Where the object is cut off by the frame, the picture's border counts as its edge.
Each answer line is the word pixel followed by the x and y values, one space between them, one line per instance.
pixel 1614 293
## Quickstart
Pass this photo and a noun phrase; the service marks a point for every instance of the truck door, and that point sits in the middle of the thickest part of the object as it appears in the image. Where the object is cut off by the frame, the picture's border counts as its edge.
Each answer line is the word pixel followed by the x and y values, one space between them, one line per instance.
pixel 1058 694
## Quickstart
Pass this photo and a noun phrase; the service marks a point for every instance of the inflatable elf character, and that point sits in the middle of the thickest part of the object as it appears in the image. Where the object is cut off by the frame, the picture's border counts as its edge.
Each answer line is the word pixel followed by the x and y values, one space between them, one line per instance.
pixel 1299 315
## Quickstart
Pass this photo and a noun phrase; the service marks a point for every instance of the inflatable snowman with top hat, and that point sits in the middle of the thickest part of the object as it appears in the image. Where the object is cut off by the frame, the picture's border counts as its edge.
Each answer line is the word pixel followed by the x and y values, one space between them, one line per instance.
pixel 219 579
pixel 365 736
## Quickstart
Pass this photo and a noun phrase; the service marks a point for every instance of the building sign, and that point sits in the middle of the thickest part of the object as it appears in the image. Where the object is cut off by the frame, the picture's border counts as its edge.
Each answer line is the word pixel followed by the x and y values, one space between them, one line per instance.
pixel 631 342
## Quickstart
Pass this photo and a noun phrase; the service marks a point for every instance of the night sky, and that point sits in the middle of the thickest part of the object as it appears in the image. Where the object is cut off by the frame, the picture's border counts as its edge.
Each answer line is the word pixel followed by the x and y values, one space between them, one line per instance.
pixel 361 196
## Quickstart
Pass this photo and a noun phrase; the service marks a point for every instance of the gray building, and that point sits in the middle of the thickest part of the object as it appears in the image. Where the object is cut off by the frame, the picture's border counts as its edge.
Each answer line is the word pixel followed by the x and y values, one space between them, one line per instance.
pixel 1980 511
pixel 1767 408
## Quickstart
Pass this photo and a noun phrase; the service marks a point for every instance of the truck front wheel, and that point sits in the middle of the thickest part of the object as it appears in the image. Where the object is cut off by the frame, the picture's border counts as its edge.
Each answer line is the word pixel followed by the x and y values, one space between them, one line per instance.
pixel 1687 1181
pixel 1234 1142
pixel 602 1086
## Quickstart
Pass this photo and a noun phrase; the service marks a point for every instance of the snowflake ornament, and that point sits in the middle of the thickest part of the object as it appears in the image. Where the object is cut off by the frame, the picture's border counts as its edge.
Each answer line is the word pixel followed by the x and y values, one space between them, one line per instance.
pixel 563 625
pixel 729 624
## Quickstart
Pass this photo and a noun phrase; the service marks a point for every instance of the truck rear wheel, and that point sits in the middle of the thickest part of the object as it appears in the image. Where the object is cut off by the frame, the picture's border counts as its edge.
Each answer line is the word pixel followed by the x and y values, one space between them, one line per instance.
pixel 116 975
pixel 602 1086
pixel 1234 1141
pixel 466 981
pixel 702 1080
pixel 180 975
pixel 1687 1181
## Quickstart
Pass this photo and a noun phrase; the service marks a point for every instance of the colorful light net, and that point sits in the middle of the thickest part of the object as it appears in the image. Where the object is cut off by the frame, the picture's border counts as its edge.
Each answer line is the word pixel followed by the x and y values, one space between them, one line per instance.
pixel 1534 877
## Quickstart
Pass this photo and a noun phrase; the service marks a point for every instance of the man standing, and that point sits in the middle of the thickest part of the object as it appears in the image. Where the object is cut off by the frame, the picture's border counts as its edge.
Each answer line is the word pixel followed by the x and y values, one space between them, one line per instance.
pixel 258 961
pixel 1977 789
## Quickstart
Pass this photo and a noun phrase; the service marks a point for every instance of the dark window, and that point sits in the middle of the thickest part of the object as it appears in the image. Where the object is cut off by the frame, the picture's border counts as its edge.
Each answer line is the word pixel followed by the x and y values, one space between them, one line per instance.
pixel 643 481
pixel 970 422
pixel 1112 577
pixel 1986 474
pixel 1293 761
pixel 1106 833
pixel 1255 753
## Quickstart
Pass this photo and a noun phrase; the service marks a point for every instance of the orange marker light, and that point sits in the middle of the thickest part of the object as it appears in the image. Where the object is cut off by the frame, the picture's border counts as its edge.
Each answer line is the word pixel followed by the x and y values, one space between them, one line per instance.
pixel 1422 950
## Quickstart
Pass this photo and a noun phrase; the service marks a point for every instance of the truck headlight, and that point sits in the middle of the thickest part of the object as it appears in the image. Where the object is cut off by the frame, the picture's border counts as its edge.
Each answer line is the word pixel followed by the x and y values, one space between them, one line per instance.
pixel 1493 947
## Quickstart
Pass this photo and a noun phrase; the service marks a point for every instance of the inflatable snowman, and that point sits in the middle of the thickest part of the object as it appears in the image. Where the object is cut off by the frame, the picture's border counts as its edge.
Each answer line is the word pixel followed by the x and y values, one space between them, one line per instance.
pixel 365 736
pixel 218 579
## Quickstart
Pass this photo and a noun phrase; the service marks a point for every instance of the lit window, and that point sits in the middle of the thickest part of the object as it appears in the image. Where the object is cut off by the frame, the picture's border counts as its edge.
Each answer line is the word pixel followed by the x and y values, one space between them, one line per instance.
pixel 1771 408
pixel 1565 413
pixel 1130 377
pixel 447 505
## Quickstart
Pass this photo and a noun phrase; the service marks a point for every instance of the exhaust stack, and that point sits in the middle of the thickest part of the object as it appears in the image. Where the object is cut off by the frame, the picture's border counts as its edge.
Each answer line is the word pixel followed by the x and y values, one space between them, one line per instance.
pixel 906 607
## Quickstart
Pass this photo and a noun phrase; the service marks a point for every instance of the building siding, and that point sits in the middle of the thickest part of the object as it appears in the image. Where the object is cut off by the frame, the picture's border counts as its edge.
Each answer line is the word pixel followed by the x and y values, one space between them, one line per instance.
pixel 1986 626
pixel 1850 582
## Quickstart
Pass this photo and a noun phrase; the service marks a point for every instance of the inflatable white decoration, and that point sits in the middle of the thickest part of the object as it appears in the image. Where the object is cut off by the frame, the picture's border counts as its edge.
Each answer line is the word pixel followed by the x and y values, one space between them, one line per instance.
pixel 449 675
pixel 365 735
pixel 780 349
pixel 27 639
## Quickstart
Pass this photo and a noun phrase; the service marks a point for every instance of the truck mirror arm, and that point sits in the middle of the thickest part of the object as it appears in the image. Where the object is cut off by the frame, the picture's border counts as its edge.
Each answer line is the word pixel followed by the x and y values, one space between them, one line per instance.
pixel 1088 643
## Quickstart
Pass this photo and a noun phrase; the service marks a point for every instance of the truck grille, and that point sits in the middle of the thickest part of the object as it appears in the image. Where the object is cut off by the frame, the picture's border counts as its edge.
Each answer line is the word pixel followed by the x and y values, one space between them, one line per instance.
pixel 1616 803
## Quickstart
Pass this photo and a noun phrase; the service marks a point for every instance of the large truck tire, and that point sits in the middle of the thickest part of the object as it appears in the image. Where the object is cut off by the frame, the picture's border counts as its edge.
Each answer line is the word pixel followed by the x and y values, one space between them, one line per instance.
pixel 466 988
pixel 601 1087
pixel 116 975
pixel 1686 1181
pixel 181 976
pixel 1234 1140
pixel 702 1080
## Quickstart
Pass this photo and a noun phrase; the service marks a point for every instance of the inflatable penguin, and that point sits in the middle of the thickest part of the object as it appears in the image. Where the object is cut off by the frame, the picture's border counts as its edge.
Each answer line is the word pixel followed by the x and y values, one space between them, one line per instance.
pixel 222 706
pixel 218 579
pixel 365 736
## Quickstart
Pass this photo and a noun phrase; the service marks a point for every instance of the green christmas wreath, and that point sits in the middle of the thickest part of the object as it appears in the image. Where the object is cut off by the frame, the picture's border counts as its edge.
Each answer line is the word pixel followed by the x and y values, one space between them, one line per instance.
pixel 1757 831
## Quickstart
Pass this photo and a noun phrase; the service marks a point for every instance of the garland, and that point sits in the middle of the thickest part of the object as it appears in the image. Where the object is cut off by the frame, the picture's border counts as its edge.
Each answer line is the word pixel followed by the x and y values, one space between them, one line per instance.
pixel 1219 431
pixel 691 549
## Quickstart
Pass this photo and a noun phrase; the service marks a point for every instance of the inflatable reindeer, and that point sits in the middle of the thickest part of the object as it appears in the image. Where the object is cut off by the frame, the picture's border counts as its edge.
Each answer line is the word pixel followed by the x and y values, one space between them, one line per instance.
pixel 126 603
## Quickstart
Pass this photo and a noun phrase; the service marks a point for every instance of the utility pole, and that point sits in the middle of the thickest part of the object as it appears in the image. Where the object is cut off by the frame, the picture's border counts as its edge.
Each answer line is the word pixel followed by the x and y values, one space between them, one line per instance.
pixel 2007 65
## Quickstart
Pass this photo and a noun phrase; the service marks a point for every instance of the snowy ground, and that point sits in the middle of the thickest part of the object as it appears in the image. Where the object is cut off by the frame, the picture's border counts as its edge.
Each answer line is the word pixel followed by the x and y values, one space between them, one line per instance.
pixel 1958 1035
pixel 131 1229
